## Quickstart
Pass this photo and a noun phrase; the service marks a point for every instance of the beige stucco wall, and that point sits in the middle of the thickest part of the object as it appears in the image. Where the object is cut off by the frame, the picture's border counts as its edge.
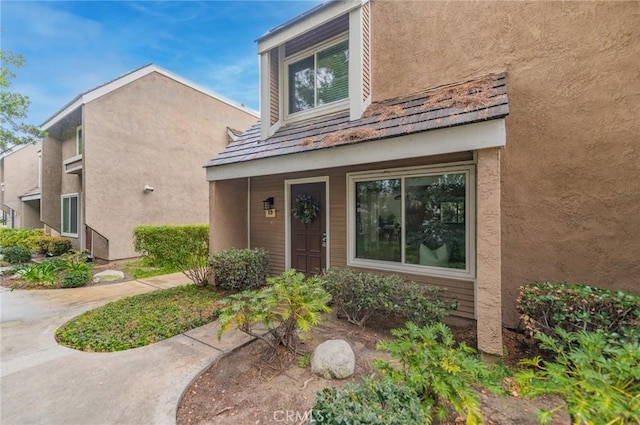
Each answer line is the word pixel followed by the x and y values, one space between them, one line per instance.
pixel 228 202
pixel 51 183
pixel 21 176
pixel 158 132
pixel 570 169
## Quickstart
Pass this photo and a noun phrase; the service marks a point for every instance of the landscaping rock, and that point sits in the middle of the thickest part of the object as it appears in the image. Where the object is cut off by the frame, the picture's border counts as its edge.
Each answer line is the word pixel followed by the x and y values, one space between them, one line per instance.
pixel 108 276
pixel 333 359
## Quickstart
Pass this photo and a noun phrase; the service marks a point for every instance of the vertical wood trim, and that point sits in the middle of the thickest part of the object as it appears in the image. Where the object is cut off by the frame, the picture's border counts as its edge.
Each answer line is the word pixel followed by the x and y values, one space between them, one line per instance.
pixel 366 51
pixel 274 86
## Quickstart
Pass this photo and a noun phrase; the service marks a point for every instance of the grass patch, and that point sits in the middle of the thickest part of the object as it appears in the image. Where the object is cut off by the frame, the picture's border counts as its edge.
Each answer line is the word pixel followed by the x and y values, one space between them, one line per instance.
pixel 140 320
pixel 140 269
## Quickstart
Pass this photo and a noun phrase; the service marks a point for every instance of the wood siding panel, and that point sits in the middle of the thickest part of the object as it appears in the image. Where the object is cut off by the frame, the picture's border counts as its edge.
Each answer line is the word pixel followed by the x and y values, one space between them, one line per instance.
pixel 274 86
pixel 269 233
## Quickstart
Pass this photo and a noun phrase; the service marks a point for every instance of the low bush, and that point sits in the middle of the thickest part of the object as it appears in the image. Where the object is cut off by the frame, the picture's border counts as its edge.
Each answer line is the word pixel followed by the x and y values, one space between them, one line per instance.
pixel 67 271
pixel 16 254
pixel 359 296
pixel 546 306
pixel 45 273
pixel 53 245
pixel 240 269
pixel 75 279
pixel 183 247
pixel 288 304
pixel 441 372
pixel 599 380
pixel 373 401
pixel 27 238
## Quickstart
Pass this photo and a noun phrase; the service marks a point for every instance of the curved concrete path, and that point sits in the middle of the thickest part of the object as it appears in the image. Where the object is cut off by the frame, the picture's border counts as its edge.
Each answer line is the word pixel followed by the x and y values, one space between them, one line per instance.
pixel 44 383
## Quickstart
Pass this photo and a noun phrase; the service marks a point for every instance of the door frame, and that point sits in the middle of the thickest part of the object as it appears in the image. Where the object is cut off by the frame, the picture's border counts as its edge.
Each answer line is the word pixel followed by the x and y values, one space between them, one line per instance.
pixel 287 216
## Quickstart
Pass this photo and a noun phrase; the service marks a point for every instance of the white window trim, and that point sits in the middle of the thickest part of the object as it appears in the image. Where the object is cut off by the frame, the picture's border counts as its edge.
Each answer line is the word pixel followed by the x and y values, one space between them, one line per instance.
pixel 79 141
pixel 338 105
pixel 62 197
pixel 470 213
pixel 287 216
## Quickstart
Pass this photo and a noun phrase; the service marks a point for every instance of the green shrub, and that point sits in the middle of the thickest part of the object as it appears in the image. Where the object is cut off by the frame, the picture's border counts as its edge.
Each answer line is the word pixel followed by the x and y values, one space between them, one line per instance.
pixel 288 304
pixel 53 245
pixel 599 381
pixel 240 269
pixel 75 279
pixel 27 238
pixel 546 306
pixel 373 401
pixel 16 254
pixel 42 273
pixel 441 372
pixel 359 296
pixel 183 247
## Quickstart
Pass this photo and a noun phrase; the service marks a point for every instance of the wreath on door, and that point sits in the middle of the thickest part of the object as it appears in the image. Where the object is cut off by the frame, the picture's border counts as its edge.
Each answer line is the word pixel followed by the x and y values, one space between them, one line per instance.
pixel 305 208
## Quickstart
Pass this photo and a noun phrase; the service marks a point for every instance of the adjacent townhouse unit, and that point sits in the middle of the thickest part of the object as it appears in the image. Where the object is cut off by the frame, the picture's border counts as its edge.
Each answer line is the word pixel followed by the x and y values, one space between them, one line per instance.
pixel 130 152
pixel 476 146
pixel 20 179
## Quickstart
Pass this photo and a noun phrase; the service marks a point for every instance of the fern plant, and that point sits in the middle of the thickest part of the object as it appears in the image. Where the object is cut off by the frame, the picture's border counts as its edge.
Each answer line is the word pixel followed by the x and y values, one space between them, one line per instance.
pixel 288 304
pixel 438 369
pixel 599 380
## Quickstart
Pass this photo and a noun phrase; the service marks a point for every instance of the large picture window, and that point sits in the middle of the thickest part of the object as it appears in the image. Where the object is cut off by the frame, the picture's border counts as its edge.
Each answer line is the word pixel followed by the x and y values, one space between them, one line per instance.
pixel 70 215
pixel 320 78
pixel 413 219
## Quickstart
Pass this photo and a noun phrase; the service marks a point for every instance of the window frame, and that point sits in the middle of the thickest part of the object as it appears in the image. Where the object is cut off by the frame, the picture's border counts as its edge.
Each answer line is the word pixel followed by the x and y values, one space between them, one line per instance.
pixel 79 147
pixel 327 108
pixel 469 169
pixel 62 200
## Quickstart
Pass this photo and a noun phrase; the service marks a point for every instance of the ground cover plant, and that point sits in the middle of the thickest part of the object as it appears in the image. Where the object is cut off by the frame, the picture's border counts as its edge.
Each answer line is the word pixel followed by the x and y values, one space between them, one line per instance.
pixel 239 269
pixel 142 268
pixel 182 247
pixel 373 402
pixel 599 380
pixel 548 306
pixel 290 303
pixel 67 271
pixel 140 320
pixel 359 296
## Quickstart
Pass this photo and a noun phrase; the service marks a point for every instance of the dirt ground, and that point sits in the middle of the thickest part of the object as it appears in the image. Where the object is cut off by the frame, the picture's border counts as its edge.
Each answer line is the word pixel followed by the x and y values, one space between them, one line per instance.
pixel 244 388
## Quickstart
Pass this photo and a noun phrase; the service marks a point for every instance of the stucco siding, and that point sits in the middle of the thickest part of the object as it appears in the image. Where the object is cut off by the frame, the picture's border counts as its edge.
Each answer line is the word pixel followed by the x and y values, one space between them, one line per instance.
pixel 153 131
pixel 51 183
pixel 569 169
pixel 20 175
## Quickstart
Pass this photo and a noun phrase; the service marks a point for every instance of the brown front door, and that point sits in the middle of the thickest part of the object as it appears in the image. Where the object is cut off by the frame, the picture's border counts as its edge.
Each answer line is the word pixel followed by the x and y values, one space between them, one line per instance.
pixel 308 241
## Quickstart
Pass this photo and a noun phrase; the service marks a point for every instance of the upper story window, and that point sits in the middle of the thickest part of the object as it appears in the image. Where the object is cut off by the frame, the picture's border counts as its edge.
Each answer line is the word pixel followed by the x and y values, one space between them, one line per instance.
pixel 319 78
pixel 316 65
pixel 79 140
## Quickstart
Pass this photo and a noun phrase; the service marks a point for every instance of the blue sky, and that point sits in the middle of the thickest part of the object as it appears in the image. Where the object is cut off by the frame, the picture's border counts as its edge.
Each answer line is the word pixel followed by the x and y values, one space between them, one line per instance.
pixel 72 46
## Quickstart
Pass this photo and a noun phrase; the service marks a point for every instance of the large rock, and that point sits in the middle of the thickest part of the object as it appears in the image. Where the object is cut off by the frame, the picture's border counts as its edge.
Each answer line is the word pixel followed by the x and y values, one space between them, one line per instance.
pixel 333 359
pixel 108 276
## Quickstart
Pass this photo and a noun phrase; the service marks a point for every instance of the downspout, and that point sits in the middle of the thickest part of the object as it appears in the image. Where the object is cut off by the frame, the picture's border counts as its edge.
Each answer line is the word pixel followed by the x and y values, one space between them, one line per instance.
pixel 249 212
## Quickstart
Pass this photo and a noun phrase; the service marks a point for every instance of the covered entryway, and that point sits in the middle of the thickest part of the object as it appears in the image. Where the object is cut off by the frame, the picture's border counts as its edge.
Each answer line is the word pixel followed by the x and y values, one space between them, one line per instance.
pixel 308 232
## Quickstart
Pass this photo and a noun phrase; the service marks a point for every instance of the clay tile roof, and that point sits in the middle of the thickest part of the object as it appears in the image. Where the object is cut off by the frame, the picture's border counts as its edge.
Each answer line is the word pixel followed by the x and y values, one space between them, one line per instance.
pixel 446 106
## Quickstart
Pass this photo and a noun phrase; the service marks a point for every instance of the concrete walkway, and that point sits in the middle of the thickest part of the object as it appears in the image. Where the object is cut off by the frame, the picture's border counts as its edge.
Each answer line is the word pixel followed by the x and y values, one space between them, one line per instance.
pixel 44 383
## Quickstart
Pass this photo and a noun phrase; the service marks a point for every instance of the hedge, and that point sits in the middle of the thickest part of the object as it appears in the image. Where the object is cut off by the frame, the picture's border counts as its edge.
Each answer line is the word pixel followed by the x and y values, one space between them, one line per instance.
pixel 184 247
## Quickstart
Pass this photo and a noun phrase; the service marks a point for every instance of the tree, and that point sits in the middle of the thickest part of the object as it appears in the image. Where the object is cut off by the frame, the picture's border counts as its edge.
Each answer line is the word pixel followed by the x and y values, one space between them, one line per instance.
pixel 13 107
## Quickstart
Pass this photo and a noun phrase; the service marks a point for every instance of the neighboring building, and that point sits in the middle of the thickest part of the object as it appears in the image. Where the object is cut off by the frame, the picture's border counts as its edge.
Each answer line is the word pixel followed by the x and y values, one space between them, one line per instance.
pixel 130 152
pixel 20 172
pixel 393 116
